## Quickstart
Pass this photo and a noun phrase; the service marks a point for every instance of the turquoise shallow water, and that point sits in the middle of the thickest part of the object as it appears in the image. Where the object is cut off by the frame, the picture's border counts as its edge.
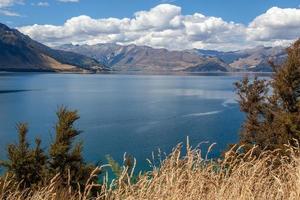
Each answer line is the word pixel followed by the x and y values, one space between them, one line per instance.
pixel 123 113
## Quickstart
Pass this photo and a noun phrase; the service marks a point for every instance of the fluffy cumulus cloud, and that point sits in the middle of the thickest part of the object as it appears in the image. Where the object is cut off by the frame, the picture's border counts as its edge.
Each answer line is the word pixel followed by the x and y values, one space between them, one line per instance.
pixel 276 24
pixel 165 26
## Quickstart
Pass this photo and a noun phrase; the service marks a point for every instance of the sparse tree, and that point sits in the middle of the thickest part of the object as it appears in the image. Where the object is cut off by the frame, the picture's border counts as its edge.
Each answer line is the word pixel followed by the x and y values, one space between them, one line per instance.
pixel 272 107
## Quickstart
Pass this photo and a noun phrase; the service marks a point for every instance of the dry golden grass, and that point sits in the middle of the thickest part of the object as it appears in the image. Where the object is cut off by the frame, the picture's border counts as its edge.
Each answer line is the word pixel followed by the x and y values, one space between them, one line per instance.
pixel 188 177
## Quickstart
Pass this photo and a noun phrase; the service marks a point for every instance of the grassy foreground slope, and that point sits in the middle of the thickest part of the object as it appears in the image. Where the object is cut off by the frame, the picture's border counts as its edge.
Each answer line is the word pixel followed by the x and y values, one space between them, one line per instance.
pixel 189 177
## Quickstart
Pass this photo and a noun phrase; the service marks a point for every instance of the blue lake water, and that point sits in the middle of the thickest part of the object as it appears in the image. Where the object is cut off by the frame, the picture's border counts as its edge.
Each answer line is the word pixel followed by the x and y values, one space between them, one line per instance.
pixel 123 113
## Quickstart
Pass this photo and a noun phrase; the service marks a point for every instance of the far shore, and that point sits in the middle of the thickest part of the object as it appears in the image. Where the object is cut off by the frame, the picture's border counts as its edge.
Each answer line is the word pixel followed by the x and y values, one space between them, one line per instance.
pixel 181 73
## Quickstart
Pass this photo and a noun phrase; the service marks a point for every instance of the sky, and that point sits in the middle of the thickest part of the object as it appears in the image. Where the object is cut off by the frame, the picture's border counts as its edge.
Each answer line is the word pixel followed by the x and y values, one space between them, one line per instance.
pixel 172 24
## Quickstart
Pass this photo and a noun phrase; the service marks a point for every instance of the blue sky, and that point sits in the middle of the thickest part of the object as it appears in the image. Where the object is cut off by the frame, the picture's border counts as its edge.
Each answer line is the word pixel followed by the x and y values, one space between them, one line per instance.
pixel 231 18
pixel 242 11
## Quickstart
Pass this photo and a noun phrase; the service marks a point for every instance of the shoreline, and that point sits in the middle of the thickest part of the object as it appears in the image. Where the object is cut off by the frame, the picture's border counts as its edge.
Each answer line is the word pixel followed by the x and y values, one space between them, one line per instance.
pixel 159 73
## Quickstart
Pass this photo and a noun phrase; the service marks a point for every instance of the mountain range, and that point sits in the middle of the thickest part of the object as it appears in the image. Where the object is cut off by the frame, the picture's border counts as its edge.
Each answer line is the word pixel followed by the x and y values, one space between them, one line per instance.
pixel 19 52
pixel 144 58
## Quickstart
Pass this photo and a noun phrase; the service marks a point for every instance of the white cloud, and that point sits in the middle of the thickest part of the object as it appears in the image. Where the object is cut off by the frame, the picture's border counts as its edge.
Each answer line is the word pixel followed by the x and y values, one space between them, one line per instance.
pixel 276 24
pixel 158 18
pixel 9 3
pixel 166 26
pixel 5 4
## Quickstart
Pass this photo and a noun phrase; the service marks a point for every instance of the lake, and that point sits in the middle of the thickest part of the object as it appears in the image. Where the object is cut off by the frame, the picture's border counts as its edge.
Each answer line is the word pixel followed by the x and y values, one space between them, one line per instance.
pixel 123 113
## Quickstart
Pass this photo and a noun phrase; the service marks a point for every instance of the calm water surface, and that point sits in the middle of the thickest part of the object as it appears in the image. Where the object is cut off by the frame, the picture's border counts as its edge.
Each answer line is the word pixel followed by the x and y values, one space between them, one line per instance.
pixel 123 113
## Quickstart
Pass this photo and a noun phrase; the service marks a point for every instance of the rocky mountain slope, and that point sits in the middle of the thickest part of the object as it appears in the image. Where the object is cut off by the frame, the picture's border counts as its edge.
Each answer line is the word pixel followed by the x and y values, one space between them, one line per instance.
pixel 255 59
pixel 19 52
pixel 144 58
